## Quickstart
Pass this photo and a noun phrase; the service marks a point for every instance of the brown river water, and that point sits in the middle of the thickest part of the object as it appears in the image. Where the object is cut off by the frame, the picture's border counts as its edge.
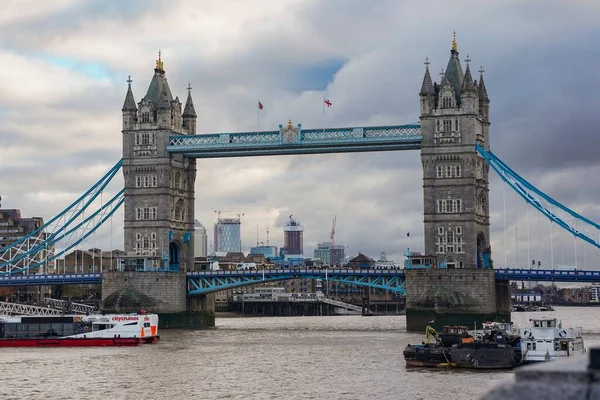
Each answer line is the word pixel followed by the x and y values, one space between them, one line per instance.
pixel 341 357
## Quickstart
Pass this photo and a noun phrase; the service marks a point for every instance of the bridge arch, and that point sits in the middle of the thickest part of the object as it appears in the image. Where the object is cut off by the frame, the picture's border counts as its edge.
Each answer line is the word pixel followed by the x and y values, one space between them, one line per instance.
pixel 200 283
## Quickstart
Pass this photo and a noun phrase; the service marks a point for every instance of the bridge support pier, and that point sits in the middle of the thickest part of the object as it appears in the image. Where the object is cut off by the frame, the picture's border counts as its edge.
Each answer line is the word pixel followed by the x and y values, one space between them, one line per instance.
pixel 454 297
pixel 163 293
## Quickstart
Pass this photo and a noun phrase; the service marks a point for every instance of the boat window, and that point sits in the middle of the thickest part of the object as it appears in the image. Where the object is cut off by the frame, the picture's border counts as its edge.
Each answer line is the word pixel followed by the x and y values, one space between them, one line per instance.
pixel 33 330
pixel 21 331
pixel 57 330
pixel 552 324
pixel 536 324
pixel 146 324
pixel 10 330
pixel 68 329
pixel 45 329
pixel 101 327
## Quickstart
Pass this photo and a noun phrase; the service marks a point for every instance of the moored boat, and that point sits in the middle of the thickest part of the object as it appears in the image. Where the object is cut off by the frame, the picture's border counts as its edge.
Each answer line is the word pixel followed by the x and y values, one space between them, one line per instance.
pixel 546 340
pixel 78 330
pixel 437 354
pixel 497 347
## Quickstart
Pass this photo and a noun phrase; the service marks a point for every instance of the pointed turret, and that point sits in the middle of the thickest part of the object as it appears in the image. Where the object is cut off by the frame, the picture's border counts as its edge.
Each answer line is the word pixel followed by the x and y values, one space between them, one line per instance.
pixel 189 110
pixel 484 100
pixel 468 85
pixel 189 113
pixel 483 96
pixel 427 92
pixel 129 108
pixel 427 86
pixel 454 73
pixel 129 104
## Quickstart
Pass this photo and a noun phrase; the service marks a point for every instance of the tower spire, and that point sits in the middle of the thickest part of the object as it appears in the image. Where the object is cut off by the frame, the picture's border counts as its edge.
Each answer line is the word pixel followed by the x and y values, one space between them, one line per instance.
pixel 454 46
pixel 159 63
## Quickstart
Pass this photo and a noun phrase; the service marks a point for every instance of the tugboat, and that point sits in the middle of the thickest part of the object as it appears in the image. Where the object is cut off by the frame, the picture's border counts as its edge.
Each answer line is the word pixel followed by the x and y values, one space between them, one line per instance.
pixel 436 354
pixel 547 340
pixel 497 348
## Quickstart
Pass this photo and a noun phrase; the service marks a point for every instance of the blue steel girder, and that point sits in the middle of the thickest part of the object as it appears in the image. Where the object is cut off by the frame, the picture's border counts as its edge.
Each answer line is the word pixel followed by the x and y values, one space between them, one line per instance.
pixel 209 282
pixel 295 140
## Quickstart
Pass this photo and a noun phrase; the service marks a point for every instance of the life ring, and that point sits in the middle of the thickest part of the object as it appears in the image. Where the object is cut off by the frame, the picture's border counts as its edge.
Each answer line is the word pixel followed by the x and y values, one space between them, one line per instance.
pixel 527 334
pixel 85 328
pixel 562 333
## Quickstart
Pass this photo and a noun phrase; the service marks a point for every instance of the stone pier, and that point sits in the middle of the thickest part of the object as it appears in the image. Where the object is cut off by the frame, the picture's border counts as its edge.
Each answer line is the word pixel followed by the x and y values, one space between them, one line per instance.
pixel 454 297
pixel 163 293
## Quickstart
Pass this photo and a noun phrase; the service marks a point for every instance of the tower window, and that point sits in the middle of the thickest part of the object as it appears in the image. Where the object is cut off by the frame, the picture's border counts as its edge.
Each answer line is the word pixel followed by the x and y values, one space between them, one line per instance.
pixel 447 125
pixel 446 102
pixel 145 117
pixel 449 206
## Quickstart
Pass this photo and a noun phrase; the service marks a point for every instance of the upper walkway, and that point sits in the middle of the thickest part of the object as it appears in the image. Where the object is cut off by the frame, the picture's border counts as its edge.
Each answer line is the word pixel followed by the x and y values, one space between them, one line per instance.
pixel 295 140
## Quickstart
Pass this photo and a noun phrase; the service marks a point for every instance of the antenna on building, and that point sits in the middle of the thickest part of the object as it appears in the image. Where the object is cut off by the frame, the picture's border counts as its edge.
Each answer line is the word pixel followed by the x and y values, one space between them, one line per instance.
pixel 256 235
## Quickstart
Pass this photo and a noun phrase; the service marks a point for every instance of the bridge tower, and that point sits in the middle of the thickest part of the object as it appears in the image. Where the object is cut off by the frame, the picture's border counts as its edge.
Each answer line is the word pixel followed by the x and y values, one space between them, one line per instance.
pixel 159 211
pixel 159 187
pixel 454 117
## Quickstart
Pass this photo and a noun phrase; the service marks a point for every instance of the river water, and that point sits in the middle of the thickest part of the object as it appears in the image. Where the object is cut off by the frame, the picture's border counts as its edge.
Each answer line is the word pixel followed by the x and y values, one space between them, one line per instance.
pixel 341 357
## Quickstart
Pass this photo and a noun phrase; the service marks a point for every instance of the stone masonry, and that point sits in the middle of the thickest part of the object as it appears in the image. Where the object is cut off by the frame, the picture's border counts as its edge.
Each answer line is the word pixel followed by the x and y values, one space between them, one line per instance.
pixel 454 117
pixel 157 292
pixel 159 187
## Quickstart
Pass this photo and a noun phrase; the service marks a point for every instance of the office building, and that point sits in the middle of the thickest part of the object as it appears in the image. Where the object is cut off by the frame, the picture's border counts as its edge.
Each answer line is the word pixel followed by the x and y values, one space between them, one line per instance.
pixel 228 235
pixel 293 237
pixel 200 240
pixel 267 251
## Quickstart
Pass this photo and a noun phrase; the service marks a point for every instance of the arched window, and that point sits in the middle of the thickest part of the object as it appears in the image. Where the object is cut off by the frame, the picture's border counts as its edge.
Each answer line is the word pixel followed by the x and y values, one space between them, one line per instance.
pixel 179 210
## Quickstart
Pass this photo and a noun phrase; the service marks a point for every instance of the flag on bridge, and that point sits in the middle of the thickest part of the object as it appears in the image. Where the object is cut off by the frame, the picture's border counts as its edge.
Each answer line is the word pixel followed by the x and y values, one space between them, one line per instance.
pixel 260 106
pixel 328 102
pixel 407 234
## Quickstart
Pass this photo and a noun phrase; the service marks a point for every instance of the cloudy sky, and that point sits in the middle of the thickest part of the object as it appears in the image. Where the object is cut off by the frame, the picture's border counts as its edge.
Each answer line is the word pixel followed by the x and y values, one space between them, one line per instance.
pixel 65 63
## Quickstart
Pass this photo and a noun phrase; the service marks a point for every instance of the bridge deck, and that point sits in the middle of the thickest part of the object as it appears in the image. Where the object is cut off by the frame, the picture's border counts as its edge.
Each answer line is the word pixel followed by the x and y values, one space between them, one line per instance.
pixel 217 278
pixel 295 140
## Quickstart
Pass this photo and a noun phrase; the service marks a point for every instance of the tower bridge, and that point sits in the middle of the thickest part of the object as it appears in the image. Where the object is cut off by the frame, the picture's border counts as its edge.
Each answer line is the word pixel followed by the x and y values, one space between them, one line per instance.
pixel 161 146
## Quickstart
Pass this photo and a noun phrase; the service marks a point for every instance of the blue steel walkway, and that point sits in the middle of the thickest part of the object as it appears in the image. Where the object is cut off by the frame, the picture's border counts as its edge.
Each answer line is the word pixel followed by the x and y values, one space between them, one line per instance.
pixel 212 281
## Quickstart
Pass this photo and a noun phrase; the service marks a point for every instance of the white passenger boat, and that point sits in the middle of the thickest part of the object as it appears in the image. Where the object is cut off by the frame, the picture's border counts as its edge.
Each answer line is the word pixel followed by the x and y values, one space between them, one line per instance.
pixel 546 339
pixel 78 330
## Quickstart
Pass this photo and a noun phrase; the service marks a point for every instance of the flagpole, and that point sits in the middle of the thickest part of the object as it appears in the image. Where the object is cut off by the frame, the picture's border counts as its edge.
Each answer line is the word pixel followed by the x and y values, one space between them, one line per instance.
pixel 258 118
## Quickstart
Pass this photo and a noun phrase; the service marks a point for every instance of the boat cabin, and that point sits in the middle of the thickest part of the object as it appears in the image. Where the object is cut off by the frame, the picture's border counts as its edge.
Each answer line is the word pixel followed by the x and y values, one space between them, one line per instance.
pixel 546 339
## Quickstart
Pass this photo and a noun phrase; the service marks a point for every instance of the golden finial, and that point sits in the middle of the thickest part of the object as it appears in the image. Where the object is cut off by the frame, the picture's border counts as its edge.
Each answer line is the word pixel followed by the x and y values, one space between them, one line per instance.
pixel 159 63
pixel 454 47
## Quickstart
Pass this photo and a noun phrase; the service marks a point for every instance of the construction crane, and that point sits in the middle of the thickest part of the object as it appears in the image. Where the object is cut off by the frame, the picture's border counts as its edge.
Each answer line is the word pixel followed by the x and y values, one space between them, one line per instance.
pixel 332 238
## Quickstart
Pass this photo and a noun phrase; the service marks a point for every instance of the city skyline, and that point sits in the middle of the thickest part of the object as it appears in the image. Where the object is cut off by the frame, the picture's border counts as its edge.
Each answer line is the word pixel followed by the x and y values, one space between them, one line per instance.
pixel 73 94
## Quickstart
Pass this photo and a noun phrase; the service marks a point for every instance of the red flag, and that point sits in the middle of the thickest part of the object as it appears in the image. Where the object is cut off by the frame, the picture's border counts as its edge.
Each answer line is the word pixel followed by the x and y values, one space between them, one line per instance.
pixel 328 103
pixel 260 106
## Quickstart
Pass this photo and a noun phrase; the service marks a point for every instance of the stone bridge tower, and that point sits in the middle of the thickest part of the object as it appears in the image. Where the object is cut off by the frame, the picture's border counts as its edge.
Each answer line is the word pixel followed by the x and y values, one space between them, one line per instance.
pixel 159 187
pixel 455 117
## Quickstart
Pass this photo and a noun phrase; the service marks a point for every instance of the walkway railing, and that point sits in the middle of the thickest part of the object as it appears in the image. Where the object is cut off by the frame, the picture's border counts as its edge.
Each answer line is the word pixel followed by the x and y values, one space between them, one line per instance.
pixel 25 309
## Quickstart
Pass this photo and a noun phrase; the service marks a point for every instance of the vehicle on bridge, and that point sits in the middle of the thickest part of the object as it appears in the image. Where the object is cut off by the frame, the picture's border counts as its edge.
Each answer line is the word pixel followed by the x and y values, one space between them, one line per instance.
pixel 78 330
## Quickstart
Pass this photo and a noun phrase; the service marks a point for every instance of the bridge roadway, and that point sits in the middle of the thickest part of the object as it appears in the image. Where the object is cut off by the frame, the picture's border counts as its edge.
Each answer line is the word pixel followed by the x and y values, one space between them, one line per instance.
pixel 202 282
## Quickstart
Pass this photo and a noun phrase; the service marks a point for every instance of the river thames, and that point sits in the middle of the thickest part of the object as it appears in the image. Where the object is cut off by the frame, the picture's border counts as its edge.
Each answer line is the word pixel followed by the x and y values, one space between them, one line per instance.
pixel 345 357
